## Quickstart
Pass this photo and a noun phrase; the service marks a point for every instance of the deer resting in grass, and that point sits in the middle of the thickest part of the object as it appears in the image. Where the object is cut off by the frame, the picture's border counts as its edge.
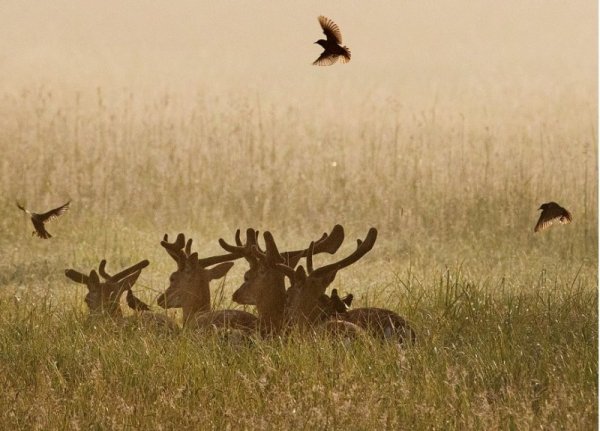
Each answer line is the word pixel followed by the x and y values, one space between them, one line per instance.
pixel 264 284
pixel 189 289
pixel 308 302
pixel 379 322
pixel 104 297
pixel 306 297
pixel 268 292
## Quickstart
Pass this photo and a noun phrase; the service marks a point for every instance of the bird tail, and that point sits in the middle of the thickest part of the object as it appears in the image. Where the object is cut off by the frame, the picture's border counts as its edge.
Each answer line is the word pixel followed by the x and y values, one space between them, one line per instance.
pixel 345 57
pixel 43 235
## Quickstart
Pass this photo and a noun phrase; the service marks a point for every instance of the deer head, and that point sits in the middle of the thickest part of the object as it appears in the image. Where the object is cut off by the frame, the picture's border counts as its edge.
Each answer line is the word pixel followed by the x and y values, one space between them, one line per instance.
pixel 132 301
pixel 263 278
pixel 306 299
pixel 264 284
pixel 189 285
pixel 334 304
pixel 104 297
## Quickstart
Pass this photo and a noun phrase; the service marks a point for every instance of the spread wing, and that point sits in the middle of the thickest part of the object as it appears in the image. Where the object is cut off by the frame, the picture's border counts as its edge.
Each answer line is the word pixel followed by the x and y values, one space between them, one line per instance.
pixel 325 59
pixel 52 214
pixel 551 215
pixel 40 230
pixel 331 30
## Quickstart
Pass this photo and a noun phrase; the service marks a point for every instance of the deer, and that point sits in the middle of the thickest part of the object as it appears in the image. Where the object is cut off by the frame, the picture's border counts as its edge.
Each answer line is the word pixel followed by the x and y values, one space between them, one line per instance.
pixel 379 322
pixel 264 284
pixel 306 298
pixel 104 297
pixel 189 289
pixel 267 292
pixel 308 302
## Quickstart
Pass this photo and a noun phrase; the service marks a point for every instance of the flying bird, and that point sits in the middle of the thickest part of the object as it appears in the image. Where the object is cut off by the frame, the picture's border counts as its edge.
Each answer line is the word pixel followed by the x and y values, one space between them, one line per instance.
pixel 552 213
pixel 333 48
pixel 39 220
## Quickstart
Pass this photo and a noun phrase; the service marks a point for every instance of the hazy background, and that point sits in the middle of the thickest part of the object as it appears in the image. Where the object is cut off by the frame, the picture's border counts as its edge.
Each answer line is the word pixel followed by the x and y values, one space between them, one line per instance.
pixel 413 51
pixel 451 124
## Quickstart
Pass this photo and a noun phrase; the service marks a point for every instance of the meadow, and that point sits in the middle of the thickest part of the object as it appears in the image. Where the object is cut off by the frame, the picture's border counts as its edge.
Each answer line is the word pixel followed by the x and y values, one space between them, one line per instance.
pixel 447 147
pixel 507 320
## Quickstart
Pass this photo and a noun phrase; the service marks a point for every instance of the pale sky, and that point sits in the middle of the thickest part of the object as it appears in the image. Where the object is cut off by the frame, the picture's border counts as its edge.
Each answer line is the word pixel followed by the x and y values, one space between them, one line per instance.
pixel 407 46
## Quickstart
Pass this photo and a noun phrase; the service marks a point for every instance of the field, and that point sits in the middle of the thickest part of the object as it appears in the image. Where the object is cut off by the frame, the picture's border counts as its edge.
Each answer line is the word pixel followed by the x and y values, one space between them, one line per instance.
pixel 451 170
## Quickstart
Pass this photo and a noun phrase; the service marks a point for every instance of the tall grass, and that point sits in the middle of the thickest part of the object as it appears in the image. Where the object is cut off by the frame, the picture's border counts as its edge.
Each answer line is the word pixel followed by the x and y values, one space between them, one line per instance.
pixel 507 320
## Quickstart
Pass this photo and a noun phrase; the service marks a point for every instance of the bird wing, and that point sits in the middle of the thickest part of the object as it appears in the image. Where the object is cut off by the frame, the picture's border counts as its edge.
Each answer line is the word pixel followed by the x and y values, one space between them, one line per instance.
pixel 345 57
pixel 52 214
pixel 554 213
pixel 325 59
pixel 40 230
pixel 565 217
pixel 23 208
pixel 331 30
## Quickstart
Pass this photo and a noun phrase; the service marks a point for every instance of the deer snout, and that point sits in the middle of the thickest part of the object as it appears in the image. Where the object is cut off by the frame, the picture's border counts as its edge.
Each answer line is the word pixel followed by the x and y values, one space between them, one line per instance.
pixel 243 296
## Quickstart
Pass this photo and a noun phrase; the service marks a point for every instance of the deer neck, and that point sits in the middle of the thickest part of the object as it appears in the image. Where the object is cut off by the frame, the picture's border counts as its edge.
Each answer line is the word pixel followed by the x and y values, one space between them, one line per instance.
pixel 270 302
pixel 199 302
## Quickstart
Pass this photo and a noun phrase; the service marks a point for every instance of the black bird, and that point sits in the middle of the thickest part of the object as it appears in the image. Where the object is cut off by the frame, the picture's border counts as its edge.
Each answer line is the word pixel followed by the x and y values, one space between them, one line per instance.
pixel 332 46
pixel 551 213
pixel 38 220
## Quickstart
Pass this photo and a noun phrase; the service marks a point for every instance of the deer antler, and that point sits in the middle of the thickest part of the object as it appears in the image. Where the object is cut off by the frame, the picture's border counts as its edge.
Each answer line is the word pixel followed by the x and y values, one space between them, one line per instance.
pixel 362 248
pixel 175 249
pixel 272 255
pixel 326 244
pixel 132 301
pixel 213 260
pixel 239 248
pixel 180 250
pixel 102 270
pixel 121 275
pixel 77 276
pixel 309 257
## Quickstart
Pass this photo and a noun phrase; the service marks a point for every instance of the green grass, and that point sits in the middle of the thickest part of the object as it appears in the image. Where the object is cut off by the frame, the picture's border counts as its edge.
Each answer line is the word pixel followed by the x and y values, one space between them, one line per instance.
pixel 506 320
pixel 484 360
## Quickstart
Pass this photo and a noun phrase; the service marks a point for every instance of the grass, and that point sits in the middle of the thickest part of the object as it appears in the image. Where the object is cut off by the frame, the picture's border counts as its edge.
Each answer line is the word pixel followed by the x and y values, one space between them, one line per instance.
pixel 484 360
pixel 507 320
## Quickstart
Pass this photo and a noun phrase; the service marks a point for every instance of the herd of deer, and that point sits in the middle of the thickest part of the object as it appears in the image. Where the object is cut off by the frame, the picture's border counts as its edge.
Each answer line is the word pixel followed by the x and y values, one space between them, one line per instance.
pixel 303 305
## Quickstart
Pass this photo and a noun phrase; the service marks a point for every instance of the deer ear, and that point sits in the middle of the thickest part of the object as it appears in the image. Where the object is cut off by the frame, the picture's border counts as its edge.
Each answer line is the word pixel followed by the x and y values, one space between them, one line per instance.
pixel 348 299
pixel 219 271
pixel 135 303
pixel 93 278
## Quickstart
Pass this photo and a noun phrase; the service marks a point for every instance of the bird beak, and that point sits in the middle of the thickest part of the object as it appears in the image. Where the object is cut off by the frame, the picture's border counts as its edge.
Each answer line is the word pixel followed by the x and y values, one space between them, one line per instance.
pixel 315 42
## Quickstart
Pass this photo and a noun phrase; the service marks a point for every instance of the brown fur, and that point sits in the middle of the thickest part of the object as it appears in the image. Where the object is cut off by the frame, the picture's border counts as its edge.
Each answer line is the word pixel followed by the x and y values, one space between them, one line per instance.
pixel 189 289
pixel 104 298
pixel 264 284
